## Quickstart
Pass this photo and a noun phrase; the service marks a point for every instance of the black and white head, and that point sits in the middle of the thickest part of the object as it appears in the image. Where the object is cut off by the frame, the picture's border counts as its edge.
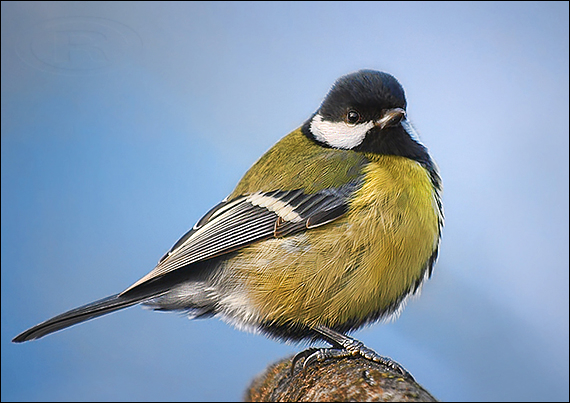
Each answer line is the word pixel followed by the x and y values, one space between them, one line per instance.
pixel 366 111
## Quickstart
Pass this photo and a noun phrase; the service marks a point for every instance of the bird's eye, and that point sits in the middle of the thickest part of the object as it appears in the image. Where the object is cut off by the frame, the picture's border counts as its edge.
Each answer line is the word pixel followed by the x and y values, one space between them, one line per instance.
pixel 352 117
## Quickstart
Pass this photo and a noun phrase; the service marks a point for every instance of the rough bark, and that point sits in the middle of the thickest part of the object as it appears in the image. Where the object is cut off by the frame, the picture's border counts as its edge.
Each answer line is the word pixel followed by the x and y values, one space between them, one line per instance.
pixel 339 380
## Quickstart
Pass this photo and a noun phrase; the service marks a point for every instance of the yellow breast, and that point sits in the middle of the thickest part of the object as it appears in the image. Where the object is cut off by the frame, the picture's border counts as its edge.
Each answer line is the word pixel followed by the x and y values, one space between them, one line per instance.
pixel 356 267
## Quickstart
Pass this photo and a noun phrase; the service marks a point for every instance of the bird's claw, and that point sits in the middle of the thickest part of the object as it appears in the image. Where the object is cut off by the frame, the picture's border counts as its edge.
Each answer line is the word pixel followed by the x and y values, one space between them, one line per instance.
pixel 349 349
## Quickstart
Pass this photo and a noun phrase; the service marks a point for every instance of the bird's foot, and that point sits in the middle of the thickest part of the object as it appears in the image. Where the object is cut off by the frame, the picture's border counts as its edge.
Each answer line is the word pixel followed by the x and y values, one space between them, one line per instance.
pixel 345 346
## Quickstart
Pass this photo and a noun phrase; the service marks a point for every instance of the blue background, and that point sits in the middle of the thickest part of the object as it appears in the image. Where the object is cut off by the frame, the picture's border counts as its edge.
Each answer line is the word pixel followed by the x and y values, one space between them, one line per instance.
pixel 122 123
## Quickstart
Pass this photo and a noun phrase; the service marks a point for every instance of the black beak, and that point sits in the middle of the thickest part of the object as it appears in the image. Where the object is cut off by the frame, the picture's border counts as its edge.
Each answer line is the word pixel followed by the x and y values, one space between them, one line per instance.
pixel 391 117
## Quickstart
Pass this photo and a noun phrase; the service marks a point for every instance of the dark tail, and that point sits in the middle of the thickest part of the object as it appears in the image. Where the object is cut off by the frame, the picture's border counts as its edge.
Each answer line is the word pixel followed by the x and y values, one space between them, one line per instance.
pixel 81 314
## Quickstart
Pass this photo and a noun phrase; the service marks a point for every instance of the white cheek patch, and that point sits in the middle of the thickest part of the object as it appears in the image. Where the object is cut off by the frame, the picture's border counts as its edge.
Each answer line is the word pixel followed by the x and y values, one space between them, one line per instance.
pixel 339 134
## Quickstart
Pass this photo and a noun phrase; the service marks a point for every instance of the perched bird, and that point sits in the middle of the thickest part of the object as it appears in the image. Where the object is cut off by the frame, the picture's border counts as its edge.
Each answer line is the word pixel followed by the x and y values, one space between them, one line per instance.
pixel 330 230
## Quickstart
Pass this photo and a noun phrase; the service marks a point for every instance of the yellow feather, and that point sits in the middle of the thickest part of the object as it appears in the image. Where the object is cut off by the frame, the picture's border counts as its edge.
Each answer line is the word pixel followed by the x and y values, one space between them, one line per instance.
pixel 355 267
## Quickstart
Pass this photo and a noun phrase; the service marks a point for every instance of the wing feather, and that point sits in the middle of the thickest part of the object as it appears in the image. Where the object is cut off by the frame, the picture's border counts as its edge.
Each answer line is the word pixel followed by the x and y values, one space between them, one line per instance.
pixel 234 224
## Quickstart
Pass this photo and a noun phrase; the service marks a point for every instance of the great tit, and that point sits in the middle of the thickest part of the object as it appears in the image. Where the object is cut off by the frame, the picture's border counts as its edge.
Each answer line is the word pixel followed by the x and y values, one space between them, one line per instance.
pixel 331 229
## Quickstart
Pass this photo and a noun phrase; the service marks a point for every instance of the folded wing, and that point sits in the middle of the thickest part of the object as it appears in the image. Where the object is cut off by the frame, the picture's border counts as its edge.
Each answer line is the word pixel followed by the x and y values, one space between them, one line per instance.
pixel 236 223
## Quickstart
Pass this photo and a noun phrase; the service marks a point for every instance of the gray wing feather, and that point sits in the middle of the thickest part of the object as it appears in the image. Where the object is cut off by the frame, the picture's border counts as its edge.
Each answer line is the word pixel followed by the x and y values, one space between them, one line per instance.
pixel 234 224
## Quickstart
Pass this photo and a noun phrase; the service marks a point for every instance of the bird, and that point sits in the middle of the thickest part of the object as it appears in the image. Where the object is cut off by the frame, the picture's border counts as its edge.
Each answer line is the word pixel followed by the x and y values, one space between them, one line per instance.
pixel 330 230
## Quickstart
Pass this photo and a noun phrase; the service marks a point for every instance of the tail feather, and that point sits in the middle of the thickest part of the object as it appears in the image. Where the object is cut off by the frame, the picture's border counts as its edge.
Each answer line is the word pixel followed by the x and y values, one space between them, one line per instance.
pixel 81 314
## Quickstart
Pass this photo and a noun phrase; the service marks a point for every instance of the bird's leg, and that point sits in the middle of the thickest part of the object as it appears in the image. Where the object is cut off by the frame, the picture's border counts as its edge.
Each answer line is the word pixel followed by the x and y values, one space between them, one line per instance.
pixel 344 346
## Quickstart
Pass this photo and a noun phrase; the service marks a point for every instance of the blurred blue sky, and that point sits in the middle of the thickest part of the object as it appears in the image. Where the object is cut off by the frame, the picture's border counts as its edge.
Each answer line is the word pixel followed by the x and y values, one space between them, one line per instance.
pixel 122 123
